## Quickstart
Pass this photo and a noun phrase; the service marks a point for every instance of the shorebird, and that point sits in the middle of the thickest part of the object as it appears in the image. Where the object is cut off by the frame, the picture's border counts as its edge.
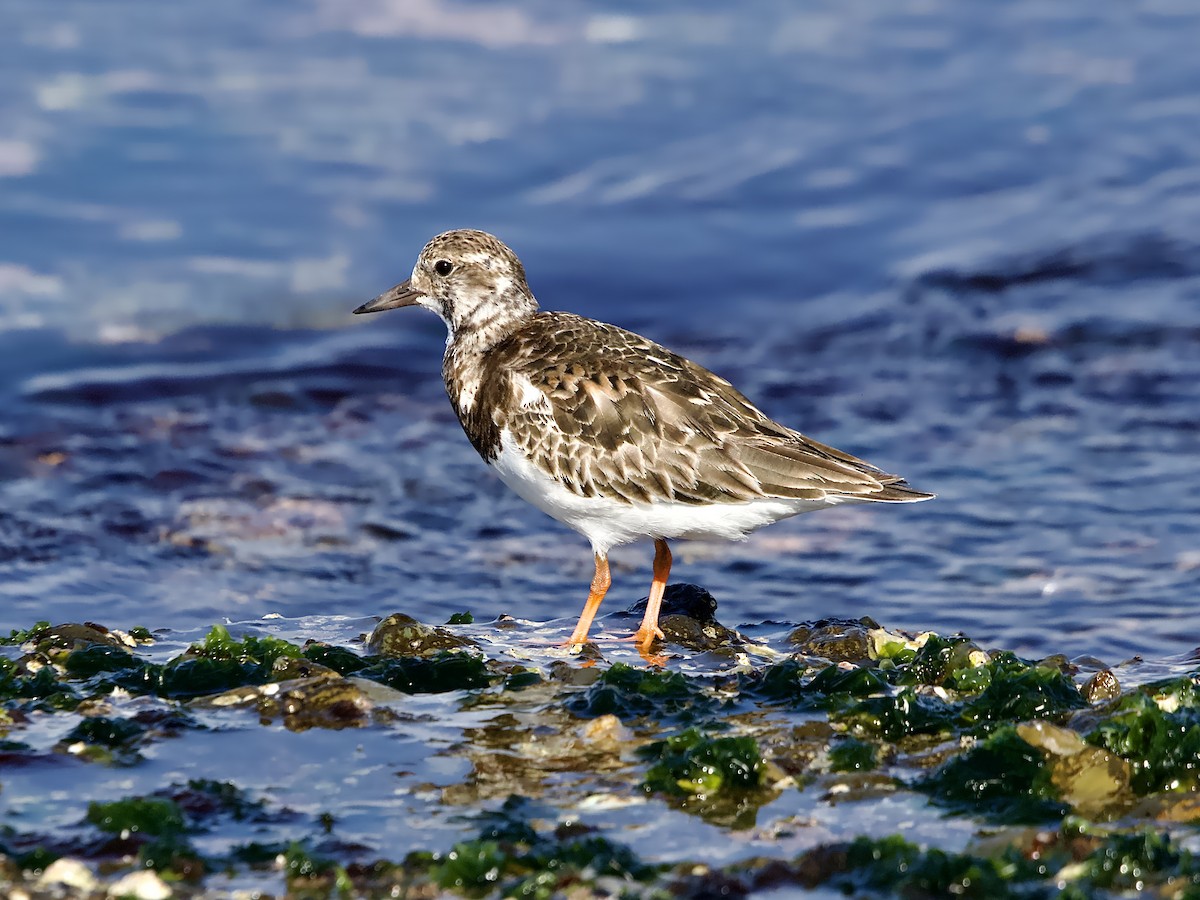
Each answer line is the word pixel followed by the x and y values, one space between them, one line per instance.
pixel 608 432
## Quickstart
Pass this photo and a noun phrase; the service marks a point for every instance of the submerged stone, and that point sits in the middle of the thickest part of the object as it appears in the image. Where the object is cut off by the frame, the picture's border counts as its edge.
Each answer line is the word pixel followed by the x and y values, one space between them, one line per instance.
pixel 402 635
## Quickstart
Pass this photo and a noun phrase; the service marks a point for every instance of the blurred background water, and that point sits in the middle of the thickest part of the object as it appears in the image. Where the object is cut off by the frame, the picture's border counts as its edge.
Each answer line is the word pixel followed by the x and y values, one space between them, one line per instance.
pixel 957 239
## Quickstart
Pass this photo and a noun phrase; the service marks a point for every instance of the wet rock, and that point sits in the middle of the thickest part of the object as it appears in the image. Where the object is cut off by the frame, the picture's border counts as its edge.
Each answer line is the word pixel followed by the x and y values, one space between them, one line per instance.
pixel 1167 807
pixel 1101 687
pixel 605 732
pixel 795 749
pixel 317 703
pixel 854 787
pixel 402 635
pixel 74 635
pixel 689 600
pixel 68 873
pixel 688 618
pixel 287 668
pixel 1058 661
pixel 837 640
pixel 577 676
pixel 1095 782
pixel 143 885
pixel 322 701
pixel 697 635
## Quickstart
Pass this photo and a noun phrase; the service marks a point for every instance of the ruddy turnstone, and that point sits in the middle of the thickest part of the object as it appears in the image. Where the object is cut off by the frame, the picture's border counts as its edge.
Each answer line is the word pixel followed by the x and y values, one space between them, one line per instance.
pixel 607 431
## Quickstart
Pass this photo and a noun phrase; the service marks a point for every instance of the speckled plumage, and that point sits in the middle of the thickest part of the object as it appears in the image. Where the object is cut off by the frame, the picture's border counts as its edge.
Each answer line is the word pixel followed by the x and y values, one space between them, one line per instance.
pixel 604 420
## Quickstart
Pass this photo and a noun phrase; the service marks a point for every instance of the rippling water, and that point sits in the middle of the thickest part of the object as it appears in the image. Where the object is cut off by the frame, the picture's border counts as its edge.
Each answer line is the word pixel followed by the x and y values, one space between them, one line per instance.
pixel 957 240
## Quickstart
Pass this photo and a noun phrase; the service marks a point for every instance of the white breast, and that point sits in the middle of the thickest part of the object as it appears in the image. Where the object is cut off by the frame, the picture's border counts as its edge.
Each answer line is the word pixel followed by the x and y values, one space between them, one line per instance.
pixel 607 523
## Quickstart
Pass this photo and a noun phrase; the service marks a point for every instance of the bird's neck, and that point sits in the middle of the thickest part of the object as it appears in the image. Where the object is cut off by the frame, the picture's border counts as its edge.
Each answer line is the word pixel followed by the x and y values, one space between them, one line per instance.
pixel 486 325
pixel 466 364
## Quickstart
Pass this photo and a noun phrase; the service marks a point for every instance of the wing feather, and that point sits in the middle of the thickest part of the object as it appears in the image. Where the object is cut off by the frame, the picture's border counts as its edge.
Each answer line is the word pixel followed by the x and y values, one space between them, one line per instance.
pixel 630 420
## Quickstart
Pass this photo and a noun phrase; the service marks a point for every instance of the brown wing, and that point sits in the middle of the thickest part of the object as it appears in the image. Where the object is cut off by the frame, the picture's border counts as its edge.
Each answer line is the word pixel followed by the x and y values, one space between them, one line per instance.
pixel 628 419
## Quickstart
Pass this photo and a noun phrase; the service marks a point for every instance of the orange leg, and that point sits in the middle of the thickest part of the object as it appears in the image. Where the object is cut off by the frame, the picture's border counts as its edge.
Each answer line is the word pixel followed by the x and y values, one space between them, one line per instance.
pixel 600 583
pixel 645 635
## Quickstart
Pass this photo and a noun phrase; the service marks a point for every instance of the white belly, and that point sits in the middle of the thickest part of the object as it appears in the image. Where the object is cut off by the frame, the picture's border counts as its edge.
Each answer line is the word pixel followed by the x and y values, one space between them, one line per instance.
pixel 607 523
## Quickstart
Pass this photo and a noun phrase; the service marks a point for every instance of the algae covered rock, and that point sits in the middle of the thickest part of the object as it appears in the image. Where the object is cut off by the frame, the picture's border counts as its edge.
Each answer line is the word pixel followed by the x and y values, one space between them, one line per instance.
pixel 837 640
pixel 402 635
pixel 1095 782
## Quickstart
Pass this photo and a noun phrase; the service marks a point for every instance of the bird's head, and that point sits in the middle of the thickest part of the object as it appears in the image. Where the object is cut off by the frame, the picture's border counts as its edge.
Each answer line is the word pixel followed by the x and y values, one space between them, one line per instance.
pixel 470 279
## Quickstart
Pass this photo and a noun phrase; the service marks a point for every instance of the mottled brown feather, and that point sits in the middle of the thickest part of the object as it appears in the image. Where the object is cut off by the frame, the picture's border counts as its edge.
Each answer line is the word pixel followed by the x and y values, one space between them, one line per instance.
pixel 629 420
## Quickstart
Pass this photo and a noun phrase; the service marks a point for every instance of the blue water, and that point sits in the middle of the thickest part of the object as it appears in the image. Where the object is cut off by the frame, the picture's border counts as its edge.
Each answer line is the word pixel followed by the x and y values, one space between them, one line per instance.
pixel 956 239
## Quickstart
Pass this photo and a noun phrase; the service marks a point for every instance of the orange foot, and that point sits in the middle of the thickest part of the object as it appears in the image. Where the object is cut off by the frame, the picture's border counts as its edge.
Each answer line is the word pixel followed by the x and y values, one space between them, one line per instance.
pixel 644 636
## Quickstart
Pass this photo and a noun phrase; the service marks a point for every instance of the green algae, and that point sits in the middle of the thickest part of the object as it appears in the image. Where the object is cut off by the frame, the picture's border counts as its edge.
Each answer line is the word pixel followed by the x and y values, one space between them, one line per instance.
pixel 40 690
pixel 512 858
pixel 100 659
pixel 305 870
pixel 1157 730
pixel 1015 690
pixel 895 866
pixel 1132 862
pixel 853 755
pixel 115 739
pixel 155 816
pixel 1002 778
pixel 18 636
pixel 628 693
pixel 447 671
pixel 218 644
pixel 883 716
pixel 718 778
pixel 897 715
pixel 340 659
pixel 1066 866
pixel 897 698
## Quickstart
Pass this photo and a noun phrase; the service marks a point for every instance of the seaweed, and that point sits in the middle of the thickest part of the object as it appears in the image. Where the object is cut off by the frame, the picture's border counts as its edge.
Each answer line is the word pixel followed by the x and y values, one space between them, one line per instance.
pixel 1001 778
pixel 1163 748
pixel 629 693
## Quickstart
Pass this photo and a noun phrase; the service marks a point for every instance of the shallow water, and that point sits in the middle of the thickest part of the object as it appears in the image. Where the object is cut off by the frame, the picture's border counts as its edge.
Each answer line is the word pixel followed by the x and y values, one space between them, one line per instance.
pixel 960 243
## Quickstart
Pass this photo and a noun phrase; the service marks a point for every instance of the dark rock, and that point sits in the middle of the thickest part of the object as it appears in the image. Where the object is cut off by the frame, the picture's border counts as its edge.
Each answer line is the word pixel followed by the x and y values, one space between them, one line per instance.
pixel 688 618
pixel 689 600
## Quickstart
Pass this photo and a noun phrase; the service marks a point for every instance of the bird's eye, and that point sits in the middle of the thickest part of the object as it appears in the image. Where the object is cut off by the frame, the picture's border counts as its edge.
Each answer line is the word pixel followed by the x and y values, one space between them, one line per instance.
pixel 443 267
